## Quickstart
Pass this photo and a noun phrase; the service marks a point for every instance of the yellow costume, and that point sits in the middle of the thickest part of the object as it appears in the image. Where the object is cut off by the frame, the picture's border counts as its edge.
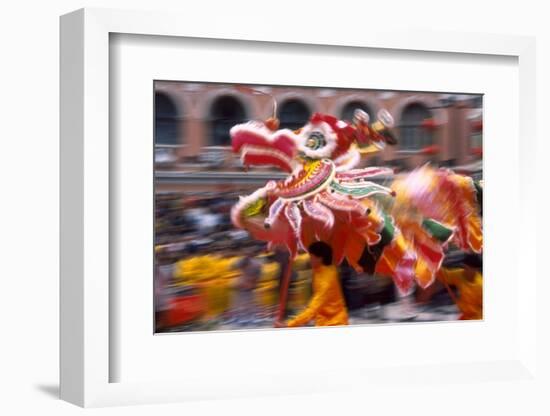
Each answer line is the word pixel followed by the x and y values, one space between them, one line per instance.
pixel 470 300
pixel 327 306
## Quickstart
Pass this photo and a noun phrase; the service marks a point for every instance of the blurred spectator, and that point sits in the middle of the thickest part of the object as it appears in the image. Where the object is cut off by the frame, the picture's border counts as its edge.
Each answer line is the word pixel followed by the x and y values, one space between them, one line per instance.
pixel 163 281
pixel 246 307
pixel 469 282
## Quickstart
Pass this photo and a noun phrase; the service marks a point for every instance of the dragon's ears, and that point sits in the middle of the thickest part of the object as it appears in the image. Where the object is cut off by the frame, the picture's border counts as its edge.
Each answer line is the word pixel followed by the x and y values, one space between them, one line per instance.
pixel 378 133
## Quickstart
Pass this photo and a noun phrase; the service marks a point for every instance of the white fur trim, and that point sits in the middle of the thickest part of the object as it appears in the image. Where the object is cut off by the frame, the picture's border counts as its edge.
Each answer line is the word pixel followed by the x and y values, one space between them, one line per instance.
pixel 347 161
pixel 255 126
pixel 260 129
pixel 330 137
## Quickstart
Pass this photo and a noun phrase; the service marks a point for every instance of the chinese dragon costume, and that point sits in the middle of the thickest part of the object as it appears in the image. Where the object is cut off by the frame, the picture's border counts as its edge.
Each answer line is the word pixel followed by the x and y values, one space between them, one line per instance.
pixel 400 230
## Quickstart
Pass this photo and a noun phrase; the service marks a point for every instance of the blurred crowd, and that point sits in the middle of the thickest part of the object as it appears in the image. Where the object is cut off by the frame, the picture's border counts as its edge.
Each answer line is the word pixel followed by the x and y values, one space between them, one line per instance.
pixel 208 275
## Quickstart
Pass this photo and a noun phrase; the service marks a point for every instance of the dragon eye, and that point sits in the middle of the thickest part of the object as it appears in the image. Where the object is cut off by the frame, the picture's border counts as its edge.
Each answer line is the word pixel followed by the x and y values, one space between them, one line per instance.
pixel 316 140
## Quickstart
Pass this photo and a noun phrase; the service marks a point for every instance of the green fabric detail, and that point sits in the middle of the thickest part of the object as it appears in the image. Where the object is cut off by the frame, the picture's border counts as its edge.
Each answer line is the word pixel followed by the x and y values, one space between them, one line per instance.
pixel 369 188
pixel 437 230
pixel 388 231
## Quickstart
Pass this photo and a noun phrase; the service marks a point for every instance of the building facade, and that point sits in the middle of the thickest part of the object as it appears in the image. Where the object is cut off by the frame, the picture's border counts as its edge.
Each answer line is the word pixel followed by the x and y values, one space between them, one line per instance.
pixel 192 122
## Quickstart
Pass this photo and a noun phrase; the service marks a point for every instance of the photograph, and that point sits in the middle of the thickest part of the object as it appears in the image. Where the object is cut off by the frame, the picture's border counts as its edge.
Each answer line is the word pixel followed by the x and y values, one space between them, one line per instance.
pixel 291 206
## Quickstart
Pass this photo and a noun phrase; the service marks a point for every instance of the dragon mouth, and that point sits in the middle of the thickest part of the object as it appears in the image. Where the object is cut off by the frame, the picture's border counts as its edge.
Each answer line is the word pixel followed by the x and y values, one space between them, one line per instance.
pixel 260 155
pixel 258 145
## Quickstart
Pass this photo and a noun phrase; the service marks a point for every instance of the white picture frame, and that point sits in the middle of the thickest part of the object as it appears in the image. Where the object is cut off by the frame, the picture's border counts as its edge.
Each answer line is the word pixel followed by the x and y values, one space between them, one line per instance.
pixel 85 211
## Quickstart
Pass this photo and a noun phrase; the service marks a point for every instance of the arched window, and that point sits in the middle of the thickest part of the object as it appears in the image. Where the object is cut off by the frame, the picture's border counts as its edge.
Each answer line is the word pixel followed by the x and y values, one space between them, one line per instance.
pixel 293 114
pixel 349 109
pixel 413 135
pixel 226 111
pixel 167 119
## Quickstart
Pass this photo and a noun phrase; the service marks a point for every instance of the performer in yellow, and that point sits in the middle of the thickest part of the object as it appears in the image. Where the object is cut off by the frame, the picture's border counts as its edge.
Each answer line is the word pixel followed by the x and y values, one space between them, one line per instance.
pixel 327 306
pixel 469 282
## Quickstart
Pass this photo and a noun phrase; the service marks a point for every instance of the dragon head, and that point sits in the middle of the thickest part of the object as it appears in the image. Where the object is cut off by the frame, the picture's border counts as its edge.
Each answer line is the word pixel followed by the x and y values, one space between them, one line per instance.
pixel 323 137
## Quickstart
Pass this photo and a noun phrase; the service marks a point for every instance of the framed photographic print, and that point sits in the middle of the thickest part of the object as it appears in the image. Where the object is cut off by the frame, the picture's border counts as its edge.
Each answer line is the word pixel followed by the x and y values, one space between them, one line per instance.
pixel 283 213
